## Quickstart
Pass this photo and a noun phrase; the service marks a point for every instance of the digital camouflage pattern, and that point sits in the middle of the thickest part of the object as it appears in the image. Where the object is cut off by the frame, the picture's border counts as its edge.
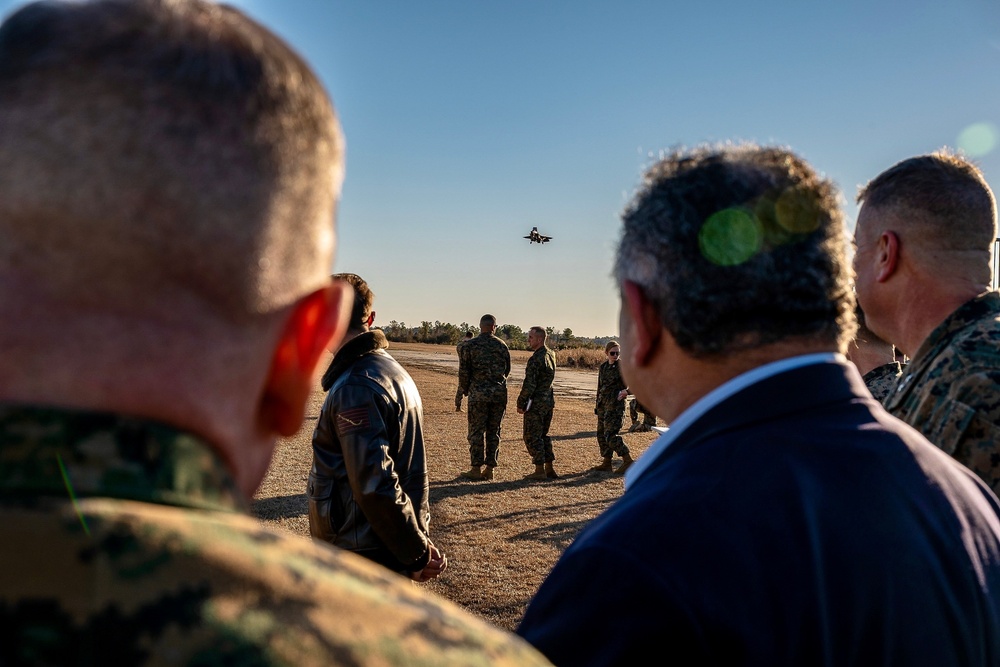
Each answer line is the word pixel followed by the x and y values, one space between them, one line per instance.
pixel 634 408
pixel 483 367
pixel 882 380
pixel 485 418
pixel 126 543
pixel 458 392
pixel 539 373
pixel 610 411
pixel 950 390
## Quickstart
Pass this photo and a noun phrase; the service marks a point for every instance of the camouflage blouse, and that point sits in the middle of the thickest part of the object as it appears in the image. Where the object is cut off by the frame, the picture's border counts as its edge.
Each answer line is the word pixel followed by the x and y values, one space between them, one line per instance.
pixel 950 390
pixel 126 543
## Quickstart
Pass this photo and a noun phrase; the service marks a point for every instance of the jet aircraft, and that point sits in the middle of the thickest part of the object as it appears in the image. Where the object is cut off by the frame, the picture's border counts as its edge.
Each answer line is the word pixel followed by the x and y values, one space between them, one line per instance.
pixel 534 237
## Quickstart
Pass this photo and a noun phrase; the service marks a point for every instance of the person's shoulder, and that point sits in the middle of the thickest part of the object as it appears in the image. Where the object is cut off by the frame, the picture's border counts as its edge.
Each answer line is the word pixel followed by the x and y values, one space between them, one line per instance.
pixel 287 599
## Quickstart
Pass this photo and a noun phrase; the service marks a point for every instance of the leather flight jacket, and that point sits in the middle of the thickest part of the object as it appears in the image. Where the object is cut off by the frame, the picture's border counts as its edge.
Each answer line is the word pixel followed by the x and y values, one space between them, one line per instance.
pixel 368 487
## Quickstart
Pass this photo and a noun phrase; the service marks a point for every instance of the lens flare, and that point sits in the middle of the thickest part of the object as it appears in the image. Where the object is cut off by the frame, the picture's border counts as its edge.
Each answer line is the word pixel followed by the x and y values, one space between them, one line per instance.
pixel 730 237
pixel 978 139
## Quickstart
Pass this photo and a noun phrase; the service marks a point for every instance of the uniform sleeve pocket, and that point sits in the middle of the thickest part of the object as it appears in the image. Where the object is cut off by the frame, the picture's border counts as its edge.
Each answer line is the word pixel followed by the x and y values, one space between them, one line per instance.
pixel 973 440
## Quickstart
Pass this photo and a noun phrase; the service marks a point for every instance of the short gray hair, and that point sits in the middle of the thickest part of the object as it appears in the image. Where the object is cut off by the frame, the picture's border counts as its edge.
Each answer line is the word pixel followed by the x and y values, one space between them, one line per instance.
pixel 739 247
pixel 154 146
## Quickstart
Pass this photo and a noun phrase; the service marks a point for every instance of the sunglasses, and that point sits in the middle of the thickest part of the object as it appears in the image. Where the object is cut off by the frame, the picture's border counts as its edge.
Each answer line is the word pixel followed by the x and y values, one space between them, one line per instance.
pixel 615 353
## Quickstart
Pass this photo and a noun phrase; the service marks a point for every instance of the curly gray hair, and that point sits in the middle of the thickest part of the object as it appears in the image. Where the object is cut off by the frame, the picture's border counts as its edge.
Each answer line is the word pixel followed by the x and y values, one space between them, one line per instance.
pixel 739 247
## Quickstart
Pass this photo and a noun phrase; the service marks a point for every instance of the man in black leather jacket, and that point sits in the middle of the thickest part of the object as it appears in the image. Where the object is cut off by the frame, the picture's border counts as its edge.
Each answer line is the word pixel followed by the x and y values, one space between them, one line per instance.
pixel 368 490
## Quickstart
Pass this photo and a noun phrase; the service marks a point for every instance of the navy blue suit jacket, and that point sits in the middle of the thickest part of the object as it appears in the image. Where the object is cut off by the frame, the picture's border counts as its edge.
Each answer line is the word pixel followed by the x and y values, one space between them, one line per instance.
pixel 795 523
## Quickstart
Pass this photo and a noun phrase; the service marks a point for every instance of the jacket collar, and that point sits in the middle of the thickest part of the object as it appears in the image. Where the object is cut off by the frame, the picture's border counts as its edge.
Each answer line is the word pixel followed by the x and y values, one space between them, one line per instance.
pixel 350 352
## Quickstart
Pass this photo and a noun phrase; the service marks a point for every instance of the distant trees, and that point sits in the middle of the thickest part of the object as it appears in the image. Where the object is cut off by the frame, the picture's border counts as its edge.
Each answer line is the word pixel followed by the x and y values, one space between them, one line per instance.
pixel 445 333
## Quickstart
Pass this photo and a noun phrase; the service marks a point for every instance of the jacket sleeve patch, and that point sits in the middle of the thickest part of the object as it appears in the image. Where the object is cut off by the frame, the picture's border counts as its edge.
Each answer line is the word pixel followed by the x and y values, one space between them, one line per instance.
pixel 352 420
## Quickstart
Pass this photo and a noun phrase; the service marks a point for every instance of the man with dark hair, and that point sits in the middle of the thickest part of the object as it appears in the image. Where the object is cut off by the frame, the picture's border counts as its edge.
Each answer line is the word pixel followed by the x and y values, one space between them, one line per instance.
pixel 483 367
pixel 924 236
pixel 536 402
pixel 368 490
pixel 785 518
pixel 169 172
pixel 875 359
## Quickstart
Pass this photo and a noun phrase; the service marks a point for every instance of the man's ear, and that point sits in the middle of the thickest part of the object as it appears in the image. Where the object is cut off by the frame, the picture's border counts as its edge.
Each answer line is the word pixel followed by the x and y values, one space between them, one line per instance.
pixel 316 322
pixel 886 255
pixel 645 323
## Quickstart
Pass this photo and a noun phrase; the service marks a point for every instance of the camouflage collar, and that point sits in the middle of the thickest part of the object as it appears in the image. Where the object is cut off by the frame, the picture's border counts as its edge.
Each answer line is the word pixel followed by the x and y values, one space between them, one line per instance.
pixel 968 314
pixel 57 452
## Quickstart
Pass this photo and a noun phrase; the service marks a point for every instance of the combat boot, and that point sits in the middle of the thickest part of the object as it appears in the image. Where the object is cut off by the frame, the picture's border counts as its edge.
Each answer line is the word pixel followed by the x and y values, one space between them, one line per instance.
pixel 475 472
pixel 538 474
pixel 487 473
pixel 604 467
pixel 627 461
pixel 634 427
pixel 550 472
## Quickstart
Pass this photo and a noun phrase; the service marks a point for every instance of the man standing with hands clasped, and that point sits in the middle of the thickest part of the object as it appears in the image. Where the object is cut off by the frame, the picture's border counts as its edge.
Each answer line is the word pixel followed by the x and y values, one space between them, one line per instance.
pixel 368 490
pixel 536 403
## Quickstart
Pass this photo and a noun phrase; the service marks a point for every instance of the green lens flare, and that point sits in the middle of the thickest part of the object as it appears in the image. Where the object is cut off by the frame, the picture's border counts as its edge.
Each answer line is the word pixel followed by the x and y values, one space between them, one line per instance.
pixel 978 139
pixel 730 237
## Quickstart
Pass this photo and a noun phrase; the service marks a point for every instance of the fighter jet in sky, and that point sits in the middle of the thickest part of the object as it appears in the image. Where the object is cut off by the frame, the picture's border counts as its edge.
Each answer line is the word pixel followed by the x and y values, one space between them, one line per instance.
pixel 535 237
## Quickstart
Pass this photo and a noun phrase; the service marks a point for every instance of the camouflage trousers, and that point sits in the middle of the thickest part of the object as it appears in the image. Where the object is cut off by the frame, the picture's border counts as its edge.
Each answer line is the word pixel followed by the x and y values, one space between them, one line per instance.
pixel 609 423
pixel 536 434
pixel 484 424
pixel 635 407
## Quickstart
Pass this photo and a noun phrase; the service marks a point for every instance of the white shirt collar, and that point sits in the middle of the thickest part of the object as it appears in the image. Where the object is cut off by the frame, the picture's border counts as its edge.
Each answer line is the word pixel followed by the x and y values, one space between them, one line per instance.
pixel 716 396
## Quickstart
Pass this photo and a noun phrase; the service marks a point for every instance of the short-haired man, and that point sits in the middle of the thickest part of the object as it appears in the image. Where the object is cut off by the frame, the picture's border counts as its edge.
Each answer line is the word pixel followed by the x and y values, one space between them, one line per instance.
pixel 924 235
pixel 483 367
pixel 785 518
pixel 368 489
pixel 536 402
pixel 458 351
pixel 170 171
pixel 875 359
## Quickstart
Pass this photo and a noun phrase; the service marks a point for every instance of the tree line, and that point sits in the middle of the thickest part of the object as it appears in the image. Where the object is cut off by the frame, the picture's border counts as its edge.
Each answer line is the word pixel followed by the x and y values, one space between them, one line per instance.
pixel 446 333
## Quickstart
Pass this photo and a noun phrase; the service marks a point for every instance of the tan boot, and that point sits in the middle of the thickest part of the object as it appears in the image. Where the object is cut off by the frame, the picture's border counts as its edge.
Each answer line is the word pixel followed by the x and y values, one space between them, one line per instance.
pixel 475 472
pixel 488 473
pixel 550 472
pixel 538 474
pixel 604 467
pixel 627 461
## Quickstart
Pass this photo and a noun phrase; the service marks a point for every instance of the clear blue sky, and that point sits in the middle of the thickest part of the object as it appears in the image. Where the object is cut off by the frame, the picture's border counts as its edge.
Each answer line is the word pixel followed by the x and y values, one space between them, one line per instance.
pixel 469 122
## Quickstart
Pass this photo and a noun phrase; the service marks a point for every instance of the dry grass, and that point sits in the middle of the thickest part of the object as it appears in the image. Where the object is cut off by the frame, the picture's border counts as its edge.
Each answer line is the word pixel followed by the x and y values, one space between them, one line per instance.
pixel 501 537
pixel 581 357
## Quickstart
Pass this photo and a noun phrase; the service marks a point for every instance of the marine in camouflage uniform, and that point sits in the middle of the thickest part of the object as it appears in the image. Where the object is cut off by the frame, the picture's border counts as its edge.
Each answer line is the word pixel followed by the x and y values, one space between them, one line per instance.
pixel 610 411
pixel 950 389
pixel 458 392
pixel 648 418
pixel 126 542
pixel 483 367
pixel 536 402
pixel 882 379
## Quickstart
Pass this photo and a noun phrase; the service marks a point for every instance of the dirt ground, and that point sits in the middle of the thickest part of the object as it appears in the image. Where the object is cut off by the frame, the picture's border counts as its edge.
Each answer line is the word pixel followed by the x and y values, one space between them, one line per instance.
pixel 501 537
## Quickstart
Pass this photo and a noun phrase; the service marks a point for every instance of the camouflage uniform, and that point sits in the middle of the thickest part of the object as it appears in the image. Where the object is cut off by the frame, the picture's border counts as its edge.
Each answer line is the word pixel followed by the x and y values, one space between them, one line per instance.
pixel 950 390
pixel 458 392
pixel 648 418
pixel 126 542
pixel 882 380
pixel 537 387
pixel 483 367
pixel 610 411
